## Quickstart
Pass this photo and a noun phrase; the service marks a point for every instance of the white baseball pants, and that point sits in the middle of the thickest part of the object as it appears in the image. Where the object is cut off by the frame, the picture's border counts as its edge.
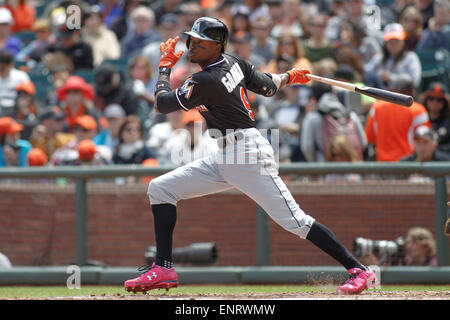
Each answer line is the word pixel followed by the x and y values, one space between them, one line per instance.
pixel 247 165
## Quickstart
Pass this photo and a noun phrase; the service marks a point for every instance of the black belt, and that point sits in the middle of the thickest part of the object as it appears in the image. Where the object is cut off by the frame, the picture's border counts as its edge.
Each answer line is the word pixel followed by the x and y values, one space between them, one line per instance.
pixel 236 136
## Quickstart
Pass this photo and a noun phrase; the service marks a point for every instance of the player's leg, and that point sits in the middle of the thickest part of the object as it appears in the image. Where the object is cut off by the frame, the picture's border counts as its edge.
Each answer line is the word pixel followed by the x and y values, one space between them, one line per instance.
pixel 261 182
pixel 192 180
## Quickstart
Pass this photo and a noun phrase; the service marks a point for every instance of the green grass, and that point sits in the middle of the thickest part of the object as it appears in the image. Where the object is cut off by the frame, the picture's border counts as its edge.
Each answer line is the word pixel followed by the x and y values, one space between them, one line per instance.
pixel 63 291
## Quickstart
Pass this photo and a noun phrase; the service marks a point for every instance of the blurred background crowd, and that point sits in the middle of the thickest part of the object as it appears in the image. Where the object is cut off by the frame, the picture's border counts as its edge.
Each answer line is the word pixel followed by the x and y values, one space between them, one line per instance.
pixel 84 95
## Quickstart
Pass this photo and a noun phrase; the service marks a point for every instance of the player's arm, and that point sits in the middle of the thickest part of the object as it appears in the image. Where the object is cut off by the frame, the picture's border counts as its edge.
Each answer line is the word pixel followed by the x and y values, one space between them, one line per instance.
pixel 165 97
pixel 267 84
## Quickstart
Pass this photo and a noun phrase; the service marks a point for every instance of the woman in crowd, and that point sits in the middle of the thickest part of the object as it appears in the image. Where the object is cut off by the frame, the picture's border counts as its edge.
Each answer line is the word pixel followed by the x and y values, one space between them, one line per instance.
pixel 289 45
pixel 395 60
pixel 131 148
pixel 411 20
pixel 436 100
pixel 363 48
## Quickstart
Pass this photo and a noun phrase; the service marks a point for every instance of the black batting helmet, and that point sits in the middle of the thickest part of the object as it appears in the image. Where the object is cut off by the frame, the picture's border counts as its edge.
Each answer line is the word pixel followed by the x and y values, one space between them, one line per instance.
pixel 211 29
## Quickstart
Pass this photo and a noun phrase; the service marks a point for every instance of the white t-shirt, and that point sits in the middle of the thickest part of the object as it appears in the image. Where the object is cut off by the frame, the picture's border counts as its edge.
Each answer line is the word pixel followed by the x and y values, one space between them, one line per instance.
pixel 8 86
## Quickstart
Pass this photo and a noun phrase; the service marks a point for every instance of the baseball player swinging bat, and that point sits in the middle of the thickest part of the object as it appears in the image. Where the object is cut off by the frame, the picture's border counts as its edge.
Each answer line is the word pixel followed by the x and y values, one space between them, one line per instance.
pixel 380 94
pixel 219 93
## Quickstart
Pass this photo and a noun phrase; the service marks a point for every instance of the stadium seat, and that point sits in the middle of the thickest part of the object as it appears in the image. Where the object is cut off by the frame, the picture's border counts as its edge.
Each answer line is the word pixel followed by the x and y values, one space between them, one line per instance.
pixel 435 67
pixel 42 83
pixel 120 63
pixel 87 74
pixel 25 36
pixel 40 8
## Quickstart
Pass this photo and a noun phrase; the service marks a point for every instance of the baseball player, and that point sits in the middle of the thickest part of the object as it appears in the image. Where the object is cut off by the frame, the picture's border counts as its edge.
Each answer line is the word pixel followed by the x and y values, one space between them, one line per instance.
pixel 219 92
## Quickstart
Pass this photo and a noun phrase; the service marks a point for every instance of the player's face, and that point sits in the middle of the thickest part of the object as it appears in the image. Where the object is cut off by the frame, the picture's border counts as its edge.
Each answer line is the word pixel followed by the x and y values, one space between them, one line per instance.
pixel 202 51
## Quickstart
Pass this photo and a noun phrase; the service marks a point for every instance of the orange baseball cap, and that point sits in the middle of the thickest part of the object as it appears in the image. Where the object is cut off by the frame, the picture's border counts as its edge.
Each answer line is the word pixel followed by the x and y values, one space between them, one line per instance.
pixel 76 83
pixel 150 162
pixel 86 150
pixel 26 86
pixel 37 157
pixel 437 89
pixel 9 125
pixel 87 122
pixel 192 116
pixel 394 31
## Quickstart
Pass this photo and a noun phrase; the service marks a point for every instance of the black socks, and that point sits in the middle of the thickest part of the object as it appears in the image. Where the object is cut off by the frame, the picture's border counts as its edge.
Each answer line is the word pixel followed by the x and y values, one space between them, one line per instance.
pixel 323 238
pixel 164 217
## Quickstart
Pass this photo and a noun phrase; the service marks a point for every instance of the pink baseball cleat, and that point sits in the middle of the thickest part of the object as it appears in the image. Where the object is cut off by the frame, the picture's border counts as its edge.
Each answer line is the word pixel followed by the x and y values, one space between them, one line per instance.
pixel 154 277
pixel 359 281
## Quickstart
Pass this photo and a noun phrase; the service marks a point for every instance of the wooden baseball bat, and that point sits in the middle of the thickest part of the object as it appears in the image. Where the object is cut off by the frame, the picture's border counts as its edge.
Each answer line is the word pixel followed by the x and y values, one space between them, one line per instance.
pixel 386 95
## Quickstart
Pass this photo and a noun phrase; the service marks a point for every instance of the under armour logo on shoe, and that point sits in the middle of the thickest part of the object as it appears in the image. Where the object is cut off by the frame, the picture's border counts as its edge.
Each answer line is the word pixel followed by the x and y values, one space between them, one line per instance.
pixel 151 276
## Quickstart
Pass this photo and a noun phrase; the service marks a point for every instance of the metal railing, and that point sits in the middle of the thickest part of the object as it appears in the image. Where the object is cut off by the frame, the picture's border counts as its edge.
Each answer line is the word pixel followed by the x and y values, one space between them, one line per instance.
pixel 81 175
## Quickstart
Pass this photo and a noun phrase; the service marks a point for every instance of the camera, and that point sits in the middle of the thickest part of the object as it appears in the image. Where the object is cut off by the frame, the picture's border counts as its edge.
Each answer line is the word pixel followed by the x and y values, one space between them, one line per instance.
pixel 387 251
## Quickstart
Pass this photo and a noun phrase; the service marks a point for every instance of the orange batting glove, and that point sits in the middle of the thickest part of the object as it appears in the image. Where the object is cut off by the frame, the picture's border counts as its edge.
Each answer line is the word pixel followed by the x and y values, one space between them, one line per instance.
pixel 297 76
pixel 168 56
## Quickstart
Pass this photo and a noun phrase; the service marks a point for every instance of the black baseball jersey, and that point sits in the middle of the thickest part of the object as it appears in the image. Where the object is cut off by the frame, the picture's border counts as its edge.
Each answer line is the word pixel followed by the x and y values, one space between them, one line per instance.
pixel 219 92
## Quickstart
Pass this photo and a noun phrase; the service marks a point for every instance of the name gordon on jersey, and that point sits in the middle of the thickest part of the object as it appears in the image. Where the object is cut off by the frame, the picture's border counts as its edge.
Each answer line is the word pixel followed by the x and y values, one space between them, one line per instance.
pixel 232 78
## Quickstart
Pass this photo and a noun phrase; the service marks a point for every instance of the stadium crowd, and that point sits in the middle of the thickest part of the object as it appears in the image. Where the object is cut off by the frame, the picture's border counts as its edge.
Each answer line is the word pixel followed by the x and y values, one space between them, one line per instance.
pixel 85 95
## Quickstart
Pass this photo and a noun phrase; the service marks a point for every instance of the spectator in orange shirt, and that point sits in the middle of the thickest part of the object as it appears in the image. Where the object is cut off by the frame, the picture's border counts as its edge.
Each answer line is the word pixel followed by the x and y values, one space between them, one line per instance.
pixel 22 13
pixel 390 128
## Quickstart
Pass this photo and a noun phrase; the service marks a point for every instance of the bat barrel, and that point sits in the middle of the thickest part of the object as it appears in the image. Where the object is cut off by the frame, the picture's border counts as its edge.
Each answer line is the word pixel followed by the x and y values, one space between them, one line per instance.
pixel 393 97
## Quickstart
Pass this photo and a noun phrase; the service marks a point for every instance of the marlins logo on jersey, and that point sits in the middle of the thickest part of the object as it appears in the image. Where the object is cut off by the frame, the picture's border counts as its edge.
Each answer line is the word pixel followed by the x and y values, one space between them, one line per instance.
pixel 186 88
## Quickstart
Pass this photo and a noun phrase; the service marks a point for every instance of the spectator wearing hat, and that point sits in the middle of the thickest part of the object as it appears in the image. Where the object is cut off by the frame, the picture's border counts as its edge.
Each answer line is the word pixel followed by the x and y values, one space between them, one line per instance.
pixel 169 27
pixel 115 116
pixel 437 34
pixel 10 77
pixel 48 135
pixel 39 46
pixel 314 139
pixel 37 158
pixel 395 60
pixel 436 100
pixel 76 93
pixel 13 150
pixel 70 43
pixel 25 111
pixel 144 32
pixel 190 142
pixel 131 148
pixel 103 41
pixel 22 13
pixel 426 143
pixel 241 42
pixel 85 128
pixel 89 155
pixel 7 41
pixel 112 87
pixel 390 128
